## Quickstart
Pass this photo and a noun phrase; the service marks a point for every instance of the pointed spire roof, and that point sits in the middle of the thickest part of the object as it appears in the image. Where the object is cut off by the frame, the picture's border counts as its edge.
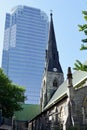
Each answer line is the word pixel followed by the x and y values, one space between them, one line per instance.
pixel 52 39
pixel 52 57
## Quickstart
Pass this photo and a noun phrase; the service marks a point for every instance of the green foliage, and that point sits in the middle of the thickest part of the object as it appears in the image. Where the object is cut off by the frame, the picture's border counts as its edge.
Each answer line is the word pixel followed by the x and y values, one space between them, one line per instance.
pixel 78 65
pixel 85 14
pixel 83 47
pixel 82 27
pixel 11 96
pixel 84 40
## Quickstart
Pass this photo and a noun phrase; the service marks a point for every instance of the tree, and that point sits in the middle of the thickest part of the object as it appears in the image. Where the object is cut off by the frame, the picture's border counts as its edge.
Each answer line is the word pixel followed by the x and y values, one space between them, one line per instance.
pixel 11 96
pixel 78 65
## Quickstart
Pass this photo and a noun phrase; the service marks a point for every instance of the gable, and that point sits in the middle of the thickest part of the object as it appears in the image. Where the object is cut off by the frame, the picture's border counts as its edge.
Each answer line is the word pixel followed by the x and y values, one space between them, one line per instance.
pixel 78 77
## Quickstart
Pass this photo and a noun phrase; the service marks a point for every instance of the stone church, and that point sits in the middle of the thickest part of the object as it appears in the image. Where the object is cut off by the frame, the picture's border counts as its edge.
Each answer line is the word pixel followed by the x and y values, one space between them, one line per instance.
pixel 63 103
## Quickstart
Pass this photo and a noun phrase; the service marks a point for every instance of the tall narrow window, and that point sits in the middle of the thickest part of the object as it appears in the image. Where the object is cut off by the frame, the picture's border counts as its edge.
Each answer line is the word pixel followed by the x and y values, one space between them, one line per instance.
pixel 55 84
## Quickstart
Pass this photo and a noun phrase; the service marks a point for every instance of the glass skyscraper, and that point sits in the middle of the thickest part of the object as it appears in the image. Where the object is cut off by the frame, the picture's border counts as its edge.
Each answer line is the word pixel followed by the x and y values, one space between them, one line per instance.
pixel 25 39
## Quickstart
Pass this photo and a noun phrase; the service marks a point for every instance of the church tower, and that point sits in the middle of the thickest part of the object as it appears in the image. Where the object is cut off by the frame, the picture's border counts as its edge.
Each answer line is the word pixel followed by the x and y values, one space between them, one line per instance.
pixel 53 74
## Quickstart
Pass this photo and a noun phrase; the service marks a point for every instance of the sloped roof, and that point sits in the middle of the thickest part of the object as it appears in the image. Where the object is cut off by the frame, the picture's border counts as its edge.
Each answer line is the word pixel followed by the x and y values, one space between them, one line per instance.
pixel 52 56
pixel 78 77
pixel 29 111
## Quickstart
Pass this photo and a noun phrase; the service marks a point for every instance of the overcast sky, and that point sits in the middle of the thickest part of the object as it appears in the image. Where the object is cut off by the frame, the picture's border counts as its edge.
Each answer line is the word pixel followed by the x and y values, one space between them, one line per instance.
pixel 67 14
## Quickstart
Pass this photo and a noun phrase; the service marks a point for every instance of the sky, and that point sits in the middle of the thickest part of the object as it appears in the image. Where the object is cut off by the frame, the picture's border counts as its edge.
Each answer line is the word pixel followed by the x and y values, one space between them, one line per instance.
pixel 67 14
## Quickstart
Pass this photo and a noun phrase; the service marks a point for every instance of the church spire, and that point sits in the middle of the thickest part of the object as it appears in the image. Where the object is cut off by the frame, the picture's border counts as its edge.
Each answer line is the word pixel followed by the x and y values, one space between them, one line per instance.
pixel 53 75
pixel 52 57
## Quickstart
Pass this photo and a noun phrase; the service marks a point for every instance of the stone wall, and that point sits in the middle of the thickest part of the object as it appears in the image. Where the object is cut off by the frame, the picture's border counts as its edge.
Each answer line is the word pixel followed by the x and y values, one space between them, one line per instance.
pixel 79 98
pixel 51 119
pixel 58 115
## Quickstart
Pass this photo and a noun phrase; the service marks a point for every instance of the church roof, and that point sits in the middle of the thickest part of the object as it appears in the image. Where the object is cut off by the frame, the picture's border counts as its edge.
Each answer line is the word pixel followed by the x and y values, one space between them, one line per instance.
pixel 52 56
pixel 78 77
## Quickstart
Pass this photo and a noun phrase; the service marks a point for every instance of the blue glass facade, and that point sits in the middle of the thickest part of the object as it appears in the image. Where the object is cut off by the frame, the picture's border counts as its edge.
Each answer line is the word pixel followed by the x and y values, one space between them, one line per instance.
pixel 25 39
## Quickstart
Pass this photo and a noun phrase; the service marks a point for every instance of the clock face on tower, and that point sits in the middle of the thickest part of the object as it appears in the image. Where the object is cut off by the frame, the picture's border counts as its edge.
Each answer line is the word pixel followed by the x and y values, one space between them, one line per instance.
pixel 54 69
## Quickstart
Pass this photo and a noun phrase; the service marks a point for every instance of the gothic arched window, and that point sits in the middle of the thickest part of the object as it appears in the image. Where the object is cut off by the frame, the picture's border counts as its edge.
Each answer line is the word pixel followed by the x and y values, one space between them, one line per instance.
pixel 55 83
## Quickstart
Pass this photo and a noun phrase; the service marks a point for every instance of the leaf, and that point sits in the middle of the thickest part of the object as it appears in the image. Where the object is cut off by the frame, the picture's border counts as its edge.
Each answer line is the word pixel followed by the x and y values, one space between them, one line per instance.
pixel 83 47
pixel 85 17
pixel 85 31
pixel 80 28
pixel 79 66
pixel 84 40
pixel 84 12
